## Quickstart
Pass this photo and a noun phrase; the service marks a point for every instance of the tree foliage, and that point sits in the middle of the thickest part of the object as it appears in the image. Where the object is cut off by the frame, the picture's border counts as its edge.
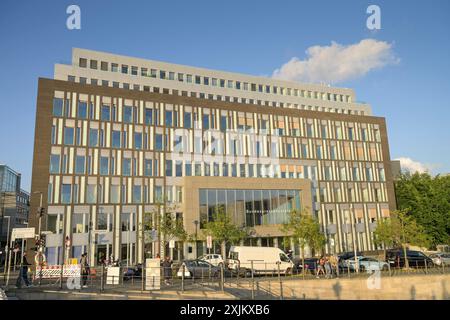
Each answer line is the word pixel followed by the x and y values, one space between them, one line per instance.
pixel 305 230
pixel 223 230
pixel 401 229
pixel 427 200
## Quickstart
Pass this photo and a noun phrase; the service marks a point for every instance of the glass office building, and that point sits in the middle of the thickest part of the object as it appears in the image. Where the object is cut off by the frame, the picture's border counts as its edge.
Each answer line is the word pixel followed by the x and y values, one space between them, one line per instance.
pixel 114 140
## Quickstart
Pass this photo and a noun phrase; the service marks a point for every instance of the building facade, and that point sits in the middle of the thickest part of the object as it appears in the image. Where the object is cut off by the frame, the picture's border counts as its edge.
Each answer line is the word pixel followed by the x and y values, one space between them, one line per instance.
pixel 115 135
pixel 14 203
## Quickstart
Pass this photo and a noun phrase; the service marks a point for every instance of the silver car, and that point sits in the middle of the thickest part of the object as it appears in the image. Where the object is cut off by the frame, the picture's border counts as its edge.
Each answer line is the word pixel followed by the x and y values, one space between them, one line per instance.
pixel 368 264
pixel 440 258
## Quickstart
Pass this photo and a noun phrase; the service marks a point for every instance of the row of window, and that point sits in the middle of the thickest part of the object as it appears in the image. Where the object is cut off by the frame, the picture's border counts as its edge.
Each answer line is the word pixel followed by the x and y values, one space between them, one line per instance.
pixel 217 97
pixel 130 167
pixel 188 120
pixel 211 81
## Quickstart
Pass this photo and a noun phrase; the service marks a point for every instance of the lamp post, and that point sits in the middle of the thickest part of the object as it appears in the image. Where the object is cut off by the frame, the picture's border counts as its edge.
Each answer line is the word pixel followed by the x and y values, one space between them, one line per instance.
pixel 40 214
pixel 196 228
pixel 7 248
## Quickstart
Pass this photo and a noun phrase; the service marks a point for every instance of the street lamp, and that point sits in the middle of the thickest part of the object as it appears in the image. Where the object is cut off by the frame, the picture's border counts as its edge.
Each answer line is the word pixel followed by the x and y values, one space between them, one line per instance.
pixel 40 212
pixel 196 227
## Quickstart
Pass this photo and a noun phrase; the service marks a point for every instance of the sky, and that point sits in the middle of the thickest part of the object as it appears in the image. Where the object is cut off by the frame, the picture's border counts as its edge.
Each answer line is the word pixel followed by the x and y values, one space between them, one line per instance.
pixel 402 70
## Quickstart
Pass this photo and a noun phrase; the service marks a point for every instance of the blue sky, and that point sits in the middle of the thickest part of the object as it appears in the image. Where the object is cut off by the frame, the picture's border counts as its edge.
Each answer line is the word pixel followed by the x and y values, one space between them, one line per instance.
pixel 250 37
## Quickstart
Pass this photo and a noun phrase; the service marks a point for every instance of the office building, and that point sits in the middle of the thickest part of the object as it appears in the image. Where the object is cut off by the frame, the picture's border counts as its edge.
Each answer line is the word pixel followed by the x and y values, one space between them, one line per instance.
pixel 116 134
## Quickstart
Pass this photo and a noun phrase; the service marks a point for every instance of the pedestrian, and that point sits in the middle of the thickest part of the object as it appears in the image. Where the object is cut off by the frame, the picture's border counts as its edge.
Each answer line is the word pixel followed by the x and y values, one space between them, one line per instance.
pixel 167 268
pixel 320 267
pixel 328 272
pixel 85 270
pixel 334 259
pixel 23 275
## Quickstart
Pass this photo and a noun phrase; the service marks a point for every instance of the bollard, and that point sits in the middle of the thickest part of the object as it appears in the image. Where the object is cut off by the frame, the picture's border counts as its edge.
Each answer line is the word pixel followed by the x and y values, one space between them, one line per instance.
pixel 443 267
pixel 182 277
pixel 61 277
pixel 348 270
pixel 221 278
pixel 102 278
pixel 281 282
pixel 426 267
pixel 253 283
pixel 389 269
pixel 142 278
pixel 237 276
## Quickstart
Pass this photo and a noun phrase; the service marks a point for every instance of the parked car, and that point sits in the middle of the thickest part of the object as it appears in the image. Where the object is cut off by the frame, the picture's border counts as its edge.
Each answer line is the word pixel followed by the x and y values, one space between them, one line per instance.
pixel 214 259
pixel 396 258
pixel 367 264
pixel 310 265
pixel 264 260
pixel 132 272
pixel 440 258
pixel 198 269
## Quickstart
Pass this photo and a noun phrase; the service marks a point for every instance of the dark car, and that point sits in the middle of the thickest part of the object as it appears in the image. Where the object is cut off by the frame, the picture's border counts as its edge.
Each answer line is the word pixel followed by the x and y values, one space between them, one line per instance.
pixel 132 272
pixel 348 255
pixel 396 259
pixel 198 269
pixel 310 265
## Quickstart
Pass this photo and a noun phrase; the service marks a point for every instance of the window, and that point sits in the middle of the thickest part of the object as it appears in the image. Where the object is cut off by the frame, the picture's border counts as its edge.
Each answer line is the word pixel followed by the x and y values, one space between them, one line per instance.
pixel 104 166
pixel 91 193
pixel 159 142
pixel 68 135
pixel 137 194
pixel 148 116
pixel 187 120
pixel 116 139
pixel 168 168
pixel 66 193
pixel 82 110
pixel 148 167
pixel 138 140
pixel 93 137
pixel 104 220
pixel 127 114
pixel 54 163
pixel 126 167
pixel 125 69
pixel 83 63
pixel 58 107
pixel 205 122
pixel 223 123
pixel 350 133
pixel 80 164
pixel 114 193
pixel 169 118
pixel 106 113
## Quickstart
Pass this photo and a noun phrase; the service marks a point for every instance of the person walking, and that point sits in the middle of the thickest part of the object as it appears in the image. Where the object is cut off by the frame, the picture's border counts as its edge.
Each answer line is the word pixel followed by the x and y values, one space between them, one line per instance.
pixel 320 267
pixel 334 260
pixel 84 269
pixel 328 271
pixel 23 275
pixel 167 269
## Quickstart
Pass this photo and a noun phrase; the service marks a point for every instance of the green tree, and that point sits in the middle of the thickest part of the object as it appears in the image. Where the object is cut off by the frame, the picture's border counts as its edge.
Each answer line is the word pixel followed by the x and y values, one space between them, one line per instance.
pixel 163 219
pixel 223 230
pixel 427 199
pixel 305 230
pixel 401 230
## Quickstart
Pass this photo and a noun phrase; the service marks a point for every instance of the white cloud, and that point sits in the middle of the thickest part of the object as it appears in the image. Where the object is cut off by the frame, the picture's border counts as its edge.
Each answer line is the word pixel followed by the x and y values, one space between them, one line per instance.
pixel 408 164
pixel 336 63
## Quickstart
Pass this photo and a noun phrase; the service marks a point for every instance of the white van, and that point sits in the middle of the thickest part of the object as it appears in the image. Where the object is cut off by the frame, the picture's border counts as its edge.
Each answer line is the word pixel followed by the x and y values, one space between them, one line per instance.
pixel 265 260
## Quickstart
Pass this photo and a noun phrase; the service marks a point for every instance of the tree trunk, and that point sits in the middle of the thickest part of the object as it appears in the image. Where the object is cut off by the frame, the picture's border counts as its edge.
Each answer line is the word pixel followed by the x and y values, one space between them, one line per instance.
pixel 223 249
pixel 406 257
pixel 303 260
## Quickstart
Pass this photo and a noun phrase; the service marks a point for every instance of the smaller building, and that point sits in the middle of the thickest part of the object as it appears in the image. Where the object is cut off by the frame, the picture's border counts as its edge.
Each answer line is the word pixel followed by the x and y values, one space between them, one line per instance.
pixel 14 203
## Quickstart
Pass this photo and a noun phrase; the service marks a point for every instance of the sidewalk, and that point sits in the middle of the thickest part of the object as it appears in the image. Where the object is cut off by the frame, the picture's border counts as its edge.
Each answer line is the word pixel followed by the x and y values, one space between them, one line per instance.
pixel 201 293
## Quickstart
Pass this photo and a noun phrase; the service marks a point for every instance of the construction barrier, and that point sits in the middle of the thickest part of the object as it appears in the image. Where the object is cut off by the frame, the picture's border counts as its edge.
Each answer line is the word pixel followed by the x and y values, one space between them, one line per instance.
pixel 49 272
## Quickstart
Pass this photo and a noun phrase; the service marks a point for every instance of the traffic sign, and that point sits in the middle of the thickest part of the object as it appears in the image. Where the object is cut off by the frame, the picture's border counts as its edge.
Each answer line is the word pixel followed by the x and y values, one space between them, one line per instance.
pixel 22 233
